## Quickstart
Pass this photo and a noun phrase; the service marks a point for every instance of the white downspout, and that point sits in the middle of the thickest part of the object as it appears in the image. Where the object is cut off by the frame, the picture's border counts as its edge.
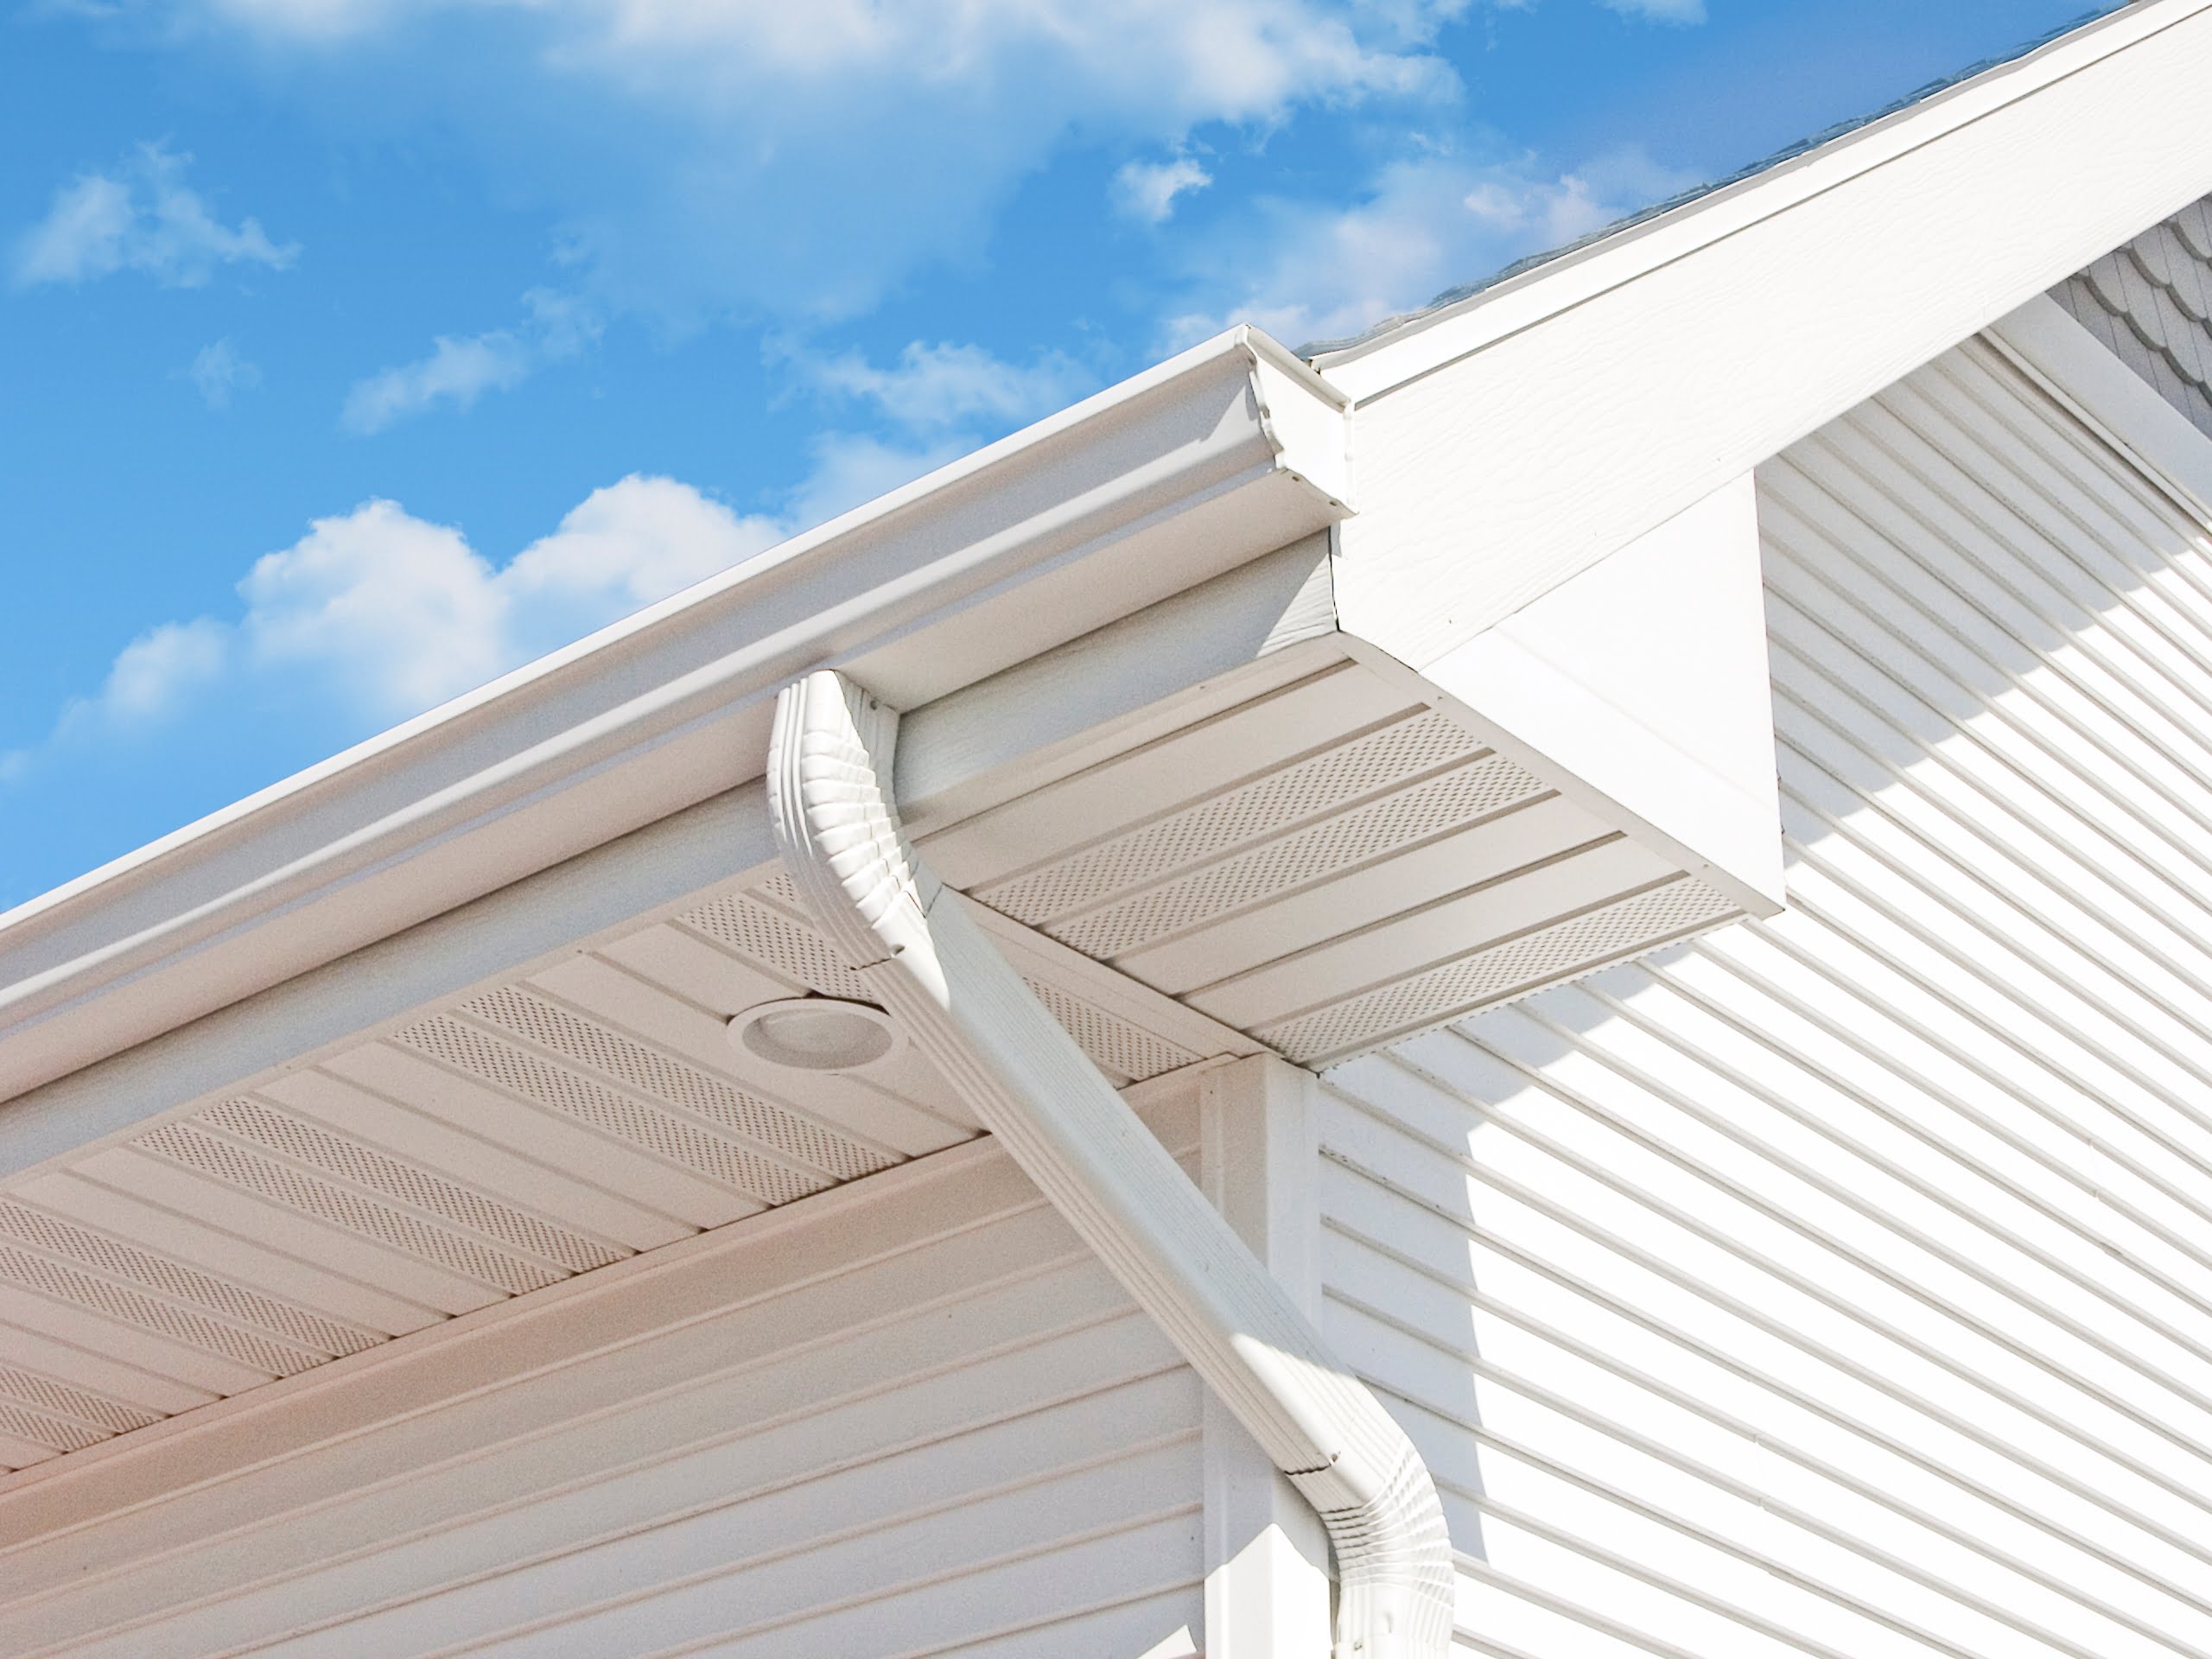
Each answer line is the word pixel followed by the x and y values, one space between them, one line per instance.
pixel 964 1007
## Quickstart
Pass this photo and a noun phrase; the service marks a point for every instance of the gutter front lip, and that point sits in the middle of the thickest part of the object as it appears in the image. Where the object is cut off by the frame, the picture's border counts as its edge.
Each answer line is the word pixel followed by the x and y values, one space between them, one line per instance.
pixel 418 787
pixel 526 682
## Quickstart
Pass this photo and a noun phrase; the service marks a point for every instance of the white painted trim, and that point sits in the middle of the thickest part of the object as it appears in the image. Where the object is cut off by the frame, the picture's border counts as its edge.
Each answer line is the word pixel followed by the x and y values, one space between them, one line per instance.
pixel 964 1007
pixel 1267 1556
pixel 1429 339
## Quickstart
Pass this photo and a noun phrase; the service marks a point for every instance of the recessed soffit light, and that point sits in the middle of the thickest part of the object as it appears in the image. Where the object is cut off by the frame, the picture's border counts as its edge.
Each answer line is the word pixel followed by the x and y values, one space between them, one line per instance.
pixel 816 1033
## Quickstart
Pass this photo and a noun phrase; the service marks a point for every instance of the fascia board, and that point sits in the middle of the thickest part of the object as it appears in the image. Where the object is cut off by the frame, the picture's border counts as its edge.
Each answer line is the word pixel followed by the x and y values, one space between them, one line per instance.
pixel 1430 339
pixel 1199 465
pixel 1507 444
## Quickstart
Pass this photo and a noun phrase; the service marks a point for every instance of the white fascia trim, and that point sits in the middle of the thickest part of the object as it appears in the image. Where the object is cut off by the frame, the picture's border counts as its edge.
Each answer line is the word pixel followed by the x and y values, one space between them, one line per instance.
pixel 1430 339
pixel 837 827
pixel 1506 449
pixel 926 590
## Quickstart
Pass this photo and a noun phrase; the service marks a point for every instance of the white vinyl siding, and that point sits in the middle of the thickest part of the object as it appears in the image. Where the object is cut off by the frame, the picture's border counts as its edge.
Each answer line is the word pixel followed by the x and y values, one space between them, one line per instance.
pixel 1841 1284
pixel 912 1417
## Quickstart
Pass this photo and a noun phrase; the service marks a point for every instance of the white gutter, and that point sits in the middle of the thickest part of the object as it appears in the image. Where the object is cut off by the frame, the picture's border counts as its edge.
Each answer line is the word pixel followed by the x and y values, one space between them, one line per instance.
pixel 960 1003
pixel 1193 468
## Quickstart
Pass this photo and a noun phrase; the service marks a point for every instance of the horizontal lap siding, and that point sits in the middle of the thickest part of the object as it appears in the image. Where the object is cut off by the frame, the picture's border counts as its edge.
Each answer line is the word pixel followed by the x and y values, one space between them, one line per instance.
pixel 929 1423
pixel 1841 1284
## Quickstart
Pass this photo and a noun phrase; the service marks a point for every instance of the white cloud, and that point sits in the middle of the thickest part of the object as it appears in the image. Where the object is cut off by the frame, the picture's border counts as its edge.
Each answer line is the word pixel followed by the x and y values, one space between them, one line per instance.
pixel 1425 223
pixel 152 680
pixel 398 612
pixel 932 387
pixel 934 403
pixel 703 158
pixel 151 673
pixel 1213 60
pixel 851 468
pixel 378 614
pixel 459 371
pixel 456 371
pixel 143 217
pixel 1146 190
pixel 620 549
pixel 1660 11
pixel 383 614
pixel 218 371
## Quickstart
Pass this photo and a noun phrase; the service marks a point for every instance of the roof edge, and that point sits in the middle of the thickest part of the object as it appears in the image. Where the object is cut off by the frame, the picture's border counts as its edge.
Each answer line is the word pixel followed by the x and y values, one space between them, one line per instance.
pixel 818 542
pixel 1048 533
pixel 1524 295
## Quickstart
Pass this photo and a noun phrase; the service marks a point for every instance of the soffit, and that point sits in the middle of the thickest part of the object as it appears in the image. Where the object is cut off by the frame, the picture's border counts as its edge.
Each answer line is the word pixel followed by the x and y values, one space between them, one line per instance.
pixel 1327 868
pixel 1308 855
pixel 539 1128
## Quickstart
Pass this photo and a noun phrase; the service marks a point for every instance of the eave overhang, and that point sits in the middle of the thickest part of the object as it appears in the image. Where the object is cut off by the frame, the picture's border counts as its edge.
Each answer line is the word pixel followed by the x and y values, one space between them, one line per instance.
pixel 1193 469
pixel 1230 748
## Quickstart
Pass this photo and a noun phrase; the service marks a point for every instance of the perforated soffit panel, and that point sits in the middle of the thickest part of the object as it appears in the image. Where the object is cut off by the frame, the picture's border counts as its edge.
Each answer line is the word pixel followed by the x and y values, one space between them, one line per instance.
pixel 530 1132
pixel 1329 868
pixel 1325 867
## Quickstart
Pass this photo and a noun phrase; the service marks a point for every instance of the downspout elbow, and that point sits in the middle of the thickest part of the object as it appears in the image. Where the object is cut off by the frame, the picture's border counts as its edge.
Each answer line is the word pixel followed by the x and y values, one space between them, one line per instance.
pixel 963 1006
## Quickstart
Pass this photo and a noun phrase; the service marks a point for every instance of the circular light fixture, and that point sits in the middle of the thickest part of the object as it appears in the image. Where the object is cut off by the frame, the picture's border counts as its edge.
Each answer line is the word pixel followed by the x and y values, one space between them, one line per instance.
pixel 816 1033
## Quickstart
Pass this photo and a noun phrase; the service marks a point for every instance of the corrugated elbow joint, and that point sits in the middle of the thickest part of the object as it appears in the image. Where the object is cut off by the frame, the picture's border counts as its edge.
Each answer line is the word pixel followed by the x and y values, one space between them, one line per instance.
pixel 1394 1561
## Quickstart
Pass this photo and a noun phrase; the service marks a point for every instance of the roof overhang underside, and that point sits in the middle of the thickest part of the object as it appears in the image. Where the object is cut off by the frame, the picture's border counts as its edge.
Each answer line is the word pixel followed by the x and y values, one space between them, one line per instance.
pixel 1232 744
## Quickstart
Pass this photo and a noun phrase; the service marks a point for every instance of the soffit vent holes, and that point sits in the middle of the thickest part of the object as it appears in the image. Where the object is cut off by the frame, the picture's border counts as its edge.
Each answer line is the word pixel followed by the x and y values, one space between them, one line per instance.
pixel 64 1399
pixel 788 947
pixel 52 1433
pixel 670 1080
pixel 403 1183
pixel 1579 945
pixel 1397 821
pixel 337 1206
pixel 664 1135
pixel 1377 760
pixel 173 1279
pixel 123 1304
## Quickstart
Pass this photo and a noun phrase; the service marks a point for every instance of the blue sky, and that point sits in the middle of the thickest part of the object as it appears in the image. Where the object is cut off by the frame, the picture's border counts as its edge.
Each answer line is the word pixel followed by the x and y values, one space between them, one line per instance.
pixel 353 351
